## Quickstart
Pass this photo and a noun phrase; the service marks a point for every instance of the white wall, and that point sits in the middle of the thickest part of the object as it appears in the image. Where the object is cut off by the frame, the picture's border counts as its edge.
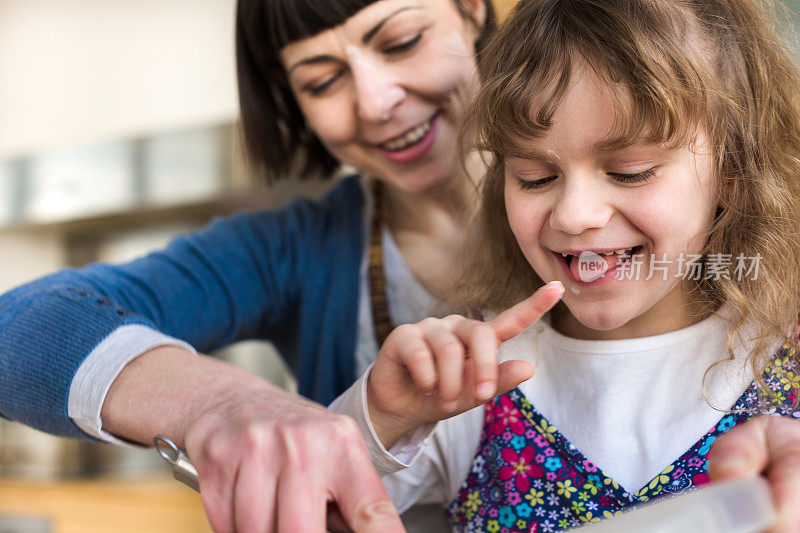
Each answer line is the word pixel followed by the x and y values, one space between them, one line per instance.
pixel 75 72
pixel 79 71
pixel 25 256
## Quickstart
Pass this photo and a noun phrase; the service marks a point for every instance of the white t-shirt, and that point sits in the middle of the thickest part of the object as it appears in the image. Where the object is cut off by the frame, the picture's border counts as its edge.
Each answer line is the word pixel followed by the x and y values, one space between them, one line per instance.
pixel 632 407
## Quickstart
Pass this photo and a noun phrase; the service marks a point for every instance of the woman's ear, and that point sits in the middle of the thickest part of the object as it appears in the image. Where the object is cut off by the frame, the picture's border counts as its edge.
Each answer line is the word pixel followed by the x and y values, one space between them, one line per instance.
pixel 477 10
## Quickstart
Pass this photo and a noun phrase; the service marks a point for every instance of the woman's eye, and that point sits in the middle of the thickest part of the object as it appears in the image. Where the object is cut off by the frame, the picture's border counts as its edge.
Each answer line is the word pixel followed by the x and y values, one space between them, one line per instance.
pixel 319 88
pixel 404 46
pixel 638 177
pixel 529 184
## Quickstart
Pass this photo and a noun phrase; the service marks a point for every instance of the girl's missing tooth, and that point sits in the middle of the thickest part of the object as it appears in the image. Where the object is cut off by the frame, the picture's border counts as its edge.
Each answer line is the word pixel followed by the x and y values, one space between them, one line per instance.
pixel 645 165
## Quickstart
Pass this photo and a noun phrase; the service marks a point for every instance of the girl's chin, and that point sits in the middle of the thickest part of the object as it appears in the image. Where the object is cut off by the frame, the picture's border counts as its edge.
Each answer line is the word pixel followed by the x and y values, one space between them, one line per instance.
pixel 598 318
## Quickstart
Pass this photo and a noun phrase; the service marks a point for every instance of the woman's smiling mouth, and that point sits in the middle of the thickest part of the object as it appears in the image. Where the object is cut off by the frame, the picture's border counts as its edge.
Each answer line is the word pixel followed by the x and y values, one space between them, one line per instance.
pixel 413 144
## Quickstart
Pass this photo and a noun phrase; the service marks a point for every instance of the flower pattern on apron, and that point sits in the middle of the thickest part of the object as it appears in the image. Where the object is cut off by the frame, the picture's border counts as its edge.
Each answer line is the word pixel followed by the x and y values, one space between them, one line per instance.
pixel 527 477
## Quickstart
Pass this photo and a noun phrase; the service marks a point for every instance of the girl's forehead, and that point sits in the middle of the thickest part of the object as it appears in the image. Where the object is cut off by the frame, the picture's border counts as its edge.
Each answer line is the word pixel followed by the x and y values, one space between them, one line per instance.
pixel 600 109
pixel 585 100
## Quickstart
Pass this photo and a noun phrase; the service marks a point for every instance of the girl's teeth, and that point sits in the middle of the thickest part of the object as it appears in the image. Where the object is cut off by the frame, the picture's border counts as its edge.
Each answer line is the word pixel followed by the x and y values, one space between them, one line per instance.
pixel 618 252
pixel 412 137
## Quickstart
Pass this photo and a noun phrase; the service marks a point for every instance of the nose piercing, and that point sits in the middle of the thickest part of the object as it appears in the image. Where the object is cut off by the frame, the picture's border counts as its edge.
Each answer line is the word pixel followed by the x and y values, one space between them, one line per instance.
pixel 386 116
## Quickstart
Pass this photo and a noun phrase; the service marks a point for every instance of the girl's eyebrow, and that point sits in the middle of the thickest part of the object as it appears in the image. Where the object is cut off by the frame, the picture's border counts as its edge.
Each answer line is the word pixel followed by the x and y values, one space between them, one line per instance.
pixel 612 145
pixel 528 153
pixel 605 146
pixel 364 40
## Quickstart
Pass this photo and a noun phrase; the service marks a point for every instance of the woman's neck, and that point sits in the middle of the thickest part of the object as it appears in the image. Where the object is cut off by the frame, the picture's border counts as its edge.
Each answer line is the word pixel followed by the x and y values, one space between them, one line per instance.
pixel 436 211
pixel 430 228
pixel 431 212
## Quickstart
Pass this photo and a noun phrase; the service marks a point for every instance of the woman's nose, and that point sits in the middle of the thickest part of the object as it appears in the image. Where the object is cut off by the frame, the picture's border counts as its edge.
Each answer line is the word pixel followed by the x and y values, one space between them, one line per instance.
pixel 377 92
pixel 579 207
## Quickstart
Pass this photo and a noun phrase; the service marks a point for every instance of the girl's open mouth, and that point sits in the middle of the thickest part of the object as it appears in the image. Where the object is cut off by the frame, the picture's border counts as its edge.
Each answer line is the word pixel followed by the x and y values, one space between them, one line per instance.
pixel 594 268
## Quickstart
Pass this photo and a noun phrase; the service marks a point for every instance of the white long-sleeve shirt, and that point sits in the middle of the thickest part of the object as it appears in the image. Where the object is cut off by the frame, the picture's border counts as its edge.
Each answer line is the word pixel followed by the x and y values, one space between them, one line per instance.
pixel 630 406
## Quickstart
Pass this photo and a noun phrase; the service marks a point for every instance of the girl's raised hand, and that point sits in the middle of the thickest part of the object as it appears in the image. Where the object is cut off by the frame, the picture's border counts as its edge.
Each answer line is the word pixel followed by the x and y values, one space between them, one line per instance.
pixel 438 368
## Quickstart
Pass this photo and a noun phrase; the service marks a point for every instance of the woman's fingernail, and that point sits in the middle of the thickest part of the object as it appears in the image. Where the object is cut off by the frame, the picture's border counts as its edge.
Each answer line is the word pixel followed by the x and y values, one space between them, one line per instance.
pixel 732 464
pixel 449 406
pixel 485 390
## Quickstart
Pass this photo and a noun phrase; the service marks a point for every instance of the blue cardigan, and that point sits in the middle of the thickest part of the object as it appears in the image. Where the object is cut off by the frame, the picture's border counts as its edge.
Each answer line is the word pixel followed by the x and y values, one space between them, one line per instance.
pixel 290 276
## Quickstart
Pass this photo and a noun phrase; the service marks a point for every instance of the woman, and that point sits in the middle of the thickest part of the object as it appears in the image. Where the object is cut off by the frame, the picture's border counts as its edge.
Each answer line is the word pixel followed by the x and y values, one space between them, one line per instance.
pixel 381 85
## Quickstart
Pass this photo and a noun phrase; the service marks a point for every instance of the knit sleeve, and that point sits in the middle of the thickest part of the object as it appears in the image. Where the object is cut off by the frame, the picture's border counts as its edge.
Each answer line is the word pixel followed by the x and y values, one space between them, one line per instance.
pixel 238 278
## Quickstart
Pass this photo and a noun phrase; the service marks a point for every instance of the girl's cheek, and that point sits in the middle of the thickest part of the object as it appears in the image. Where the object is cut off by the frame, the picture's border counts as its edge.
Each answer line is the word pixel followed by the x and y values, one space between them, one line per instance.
pixel 526 231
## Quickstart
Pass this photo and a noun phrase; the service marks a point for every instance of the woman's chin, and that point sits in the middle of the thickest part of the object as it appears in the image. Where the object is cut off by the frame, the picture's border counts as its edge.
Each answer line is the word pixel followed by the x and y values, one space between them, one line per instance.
pixel 420 184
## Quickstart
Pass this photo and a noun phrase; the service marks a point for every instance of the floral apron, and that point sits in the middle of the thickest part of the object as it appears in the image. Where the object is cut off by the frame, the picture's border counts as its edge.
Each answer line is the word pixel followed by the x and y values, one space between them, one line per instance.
pixel 526 477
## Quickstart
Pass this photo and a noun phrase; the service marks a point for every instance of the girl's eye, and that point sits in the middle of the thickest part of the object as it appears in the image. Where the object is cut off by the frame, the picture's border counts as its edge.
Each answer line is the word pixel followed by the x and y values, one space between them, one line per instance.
pixel 320 88
pixel 405 46
pixel 529 185
pixel 639 177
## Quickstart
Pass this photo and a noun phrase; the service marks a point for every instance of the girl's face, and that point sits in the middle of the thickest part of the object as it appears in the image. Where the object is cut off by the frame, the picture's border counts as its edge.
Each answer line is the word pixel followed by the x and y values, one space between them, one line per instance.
pixel 569 193
pixel 386 91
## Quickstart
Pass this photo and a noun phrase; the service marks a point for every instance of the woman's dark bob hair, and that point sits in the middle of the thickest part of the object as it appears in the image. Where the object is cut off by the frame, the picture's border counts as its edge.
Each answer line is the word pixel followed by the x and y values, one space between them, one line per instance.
pixel 277 139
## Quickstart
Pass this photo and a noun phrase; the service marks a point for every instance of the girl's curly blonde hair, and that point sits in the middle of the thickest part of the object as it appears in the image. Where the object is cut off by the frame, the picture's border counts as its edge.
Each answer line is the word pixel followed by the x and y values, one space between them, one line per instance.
pixel 673 66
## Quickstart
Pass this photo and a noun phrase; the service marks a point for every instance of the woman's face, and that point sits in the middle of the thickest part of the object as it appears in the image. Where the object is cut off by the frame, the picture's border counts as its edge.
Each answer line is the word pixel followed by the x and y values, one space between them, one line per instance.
pixel 387 90
pixel 569 193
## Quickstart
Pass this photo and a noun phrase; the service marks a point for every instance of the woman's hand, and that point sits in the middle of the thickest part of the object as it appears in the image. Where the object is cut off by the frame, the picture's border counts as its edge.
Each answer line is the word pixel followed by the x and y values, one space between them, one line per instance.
pixel 439 368
pixel 272 463
pixel 767 445
pixel 267 460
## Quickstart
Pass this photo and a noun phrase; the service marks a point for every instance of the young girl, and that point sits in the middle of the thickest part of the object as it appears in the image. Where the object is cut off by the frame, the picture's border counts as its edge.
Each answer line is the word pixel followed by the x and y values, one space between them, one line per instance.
pixel 645 165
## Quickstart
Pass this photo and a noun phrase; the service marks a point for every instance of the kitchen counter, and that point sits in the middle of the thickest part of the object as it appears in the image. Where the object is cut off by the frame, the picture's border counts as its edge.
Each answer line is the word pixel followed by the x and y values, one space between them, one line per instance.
pixel 152 504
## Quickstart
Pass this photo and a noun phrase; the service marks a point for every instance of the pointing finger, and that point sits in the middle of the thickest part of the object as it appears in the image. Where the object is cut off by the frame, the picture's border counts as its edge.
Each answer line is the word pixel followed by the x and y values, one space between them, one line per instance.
pixel 516 319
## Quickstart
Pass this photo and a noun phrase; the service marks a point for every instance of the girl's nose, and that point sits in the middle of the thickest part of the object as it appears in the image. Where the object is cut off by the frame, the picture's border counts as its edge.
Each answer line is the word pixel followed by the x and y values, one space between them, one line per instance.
pixel 377 93
pixel 579 207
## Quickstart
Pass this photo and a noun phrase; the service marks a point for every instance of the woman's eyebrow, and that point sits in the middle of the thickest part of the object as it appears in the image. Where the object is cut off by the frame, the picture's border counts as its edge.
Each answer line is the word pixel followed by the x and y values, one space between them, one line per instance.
pixel 365 40
pixel 312 61
pixel 371 33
